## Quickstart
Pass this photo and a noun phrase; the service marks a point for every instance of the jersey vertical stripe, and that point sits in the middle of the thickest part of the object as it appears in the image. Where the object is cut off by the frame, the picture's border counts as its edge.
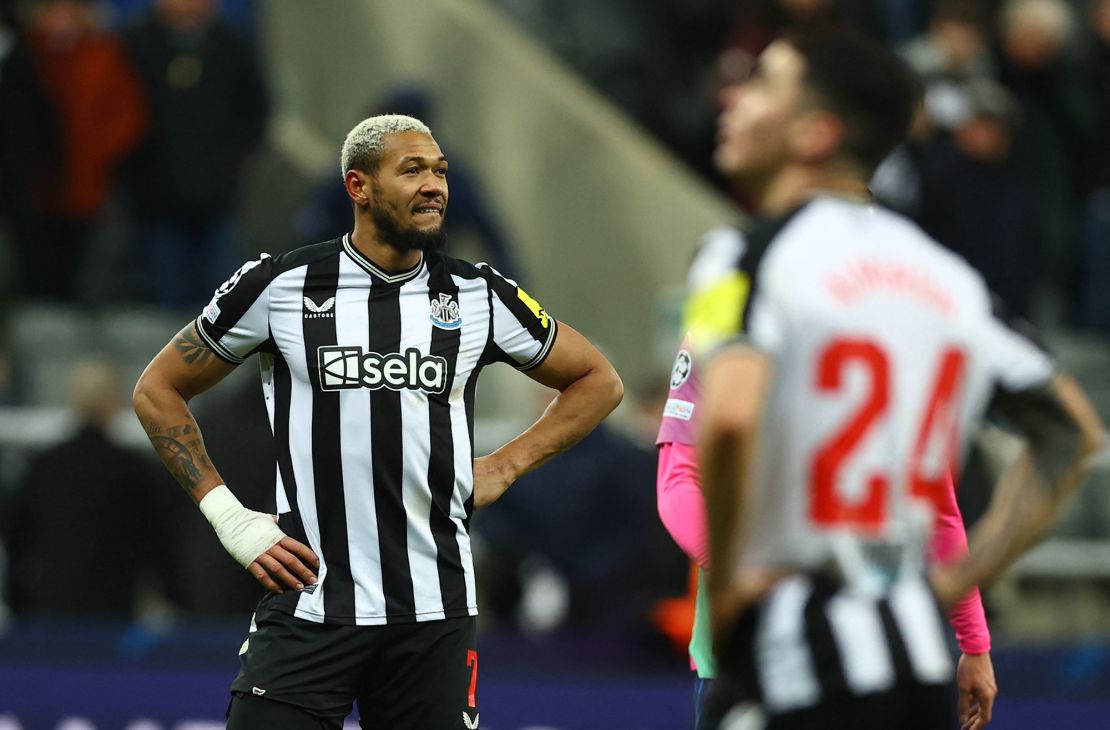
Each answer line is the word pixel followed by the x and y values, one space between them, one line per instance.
pixel 441 457
pixel 416 333
pixel 472 347
pixel 813 640
pixel 370 379
pixel 353 327
pixel 388 471
pixel 322 284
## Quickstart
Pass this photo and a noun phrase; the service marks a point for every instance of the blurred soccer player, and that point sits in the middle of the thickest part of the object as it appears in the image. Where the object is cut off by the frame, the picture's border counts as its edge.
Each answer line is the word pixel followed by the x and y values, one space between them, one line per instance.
pixel 682 510
pixel 847 359
pixel 370 347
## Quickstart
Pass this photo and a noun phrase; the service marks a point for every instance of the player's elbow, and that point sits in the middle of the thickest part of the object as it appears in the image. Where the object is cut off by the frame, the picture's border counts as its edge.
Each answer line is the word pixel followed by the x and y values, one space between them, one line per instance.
pixel 142 398
pixel 1091 440
pixel 151 390
pixel 610 387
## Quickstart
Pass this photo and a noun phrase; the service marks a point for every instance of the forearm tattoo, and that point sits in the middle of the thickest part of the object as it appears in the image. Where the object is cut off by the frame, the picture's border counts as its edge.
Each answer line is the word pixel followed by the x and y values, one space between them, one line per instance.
pixel 181 449
pixel 193 351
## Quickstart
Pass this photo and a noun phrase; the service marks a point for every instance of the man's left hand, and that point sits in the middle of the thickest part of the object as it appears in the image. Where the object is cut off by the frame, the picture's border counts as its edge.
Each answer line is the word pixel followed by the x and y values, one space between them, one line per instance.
pixel 975 679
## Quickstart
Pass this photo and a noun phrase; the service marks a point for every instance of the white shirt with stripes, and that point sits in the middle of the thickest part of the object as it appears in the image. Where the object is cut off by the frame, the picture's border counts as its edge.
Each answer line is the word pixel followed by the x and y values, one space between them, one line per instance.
pixel 369 379
pixel 885 355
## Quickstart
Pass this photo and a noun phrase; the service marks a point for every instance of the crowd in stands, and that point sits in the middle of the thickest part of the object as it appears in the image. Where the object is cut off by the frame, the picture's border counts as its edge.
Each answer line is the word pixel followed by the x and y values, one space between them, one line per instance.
pixel 1012 139
pixel 152 108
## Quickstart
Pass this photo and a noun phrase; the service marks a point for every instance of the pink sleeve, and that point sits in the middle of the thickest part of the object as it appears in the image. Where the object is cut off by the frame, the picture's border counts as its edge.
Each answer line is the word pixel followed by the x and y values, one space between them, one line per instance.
pixel 950 543
pixel 681 504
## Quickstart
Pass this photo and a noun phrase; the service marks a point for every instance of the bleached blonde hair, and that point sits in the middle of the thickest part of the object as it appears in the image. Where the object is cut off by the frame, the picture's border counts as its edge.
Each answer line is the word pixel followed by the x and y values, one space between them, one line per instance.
pixel 362 150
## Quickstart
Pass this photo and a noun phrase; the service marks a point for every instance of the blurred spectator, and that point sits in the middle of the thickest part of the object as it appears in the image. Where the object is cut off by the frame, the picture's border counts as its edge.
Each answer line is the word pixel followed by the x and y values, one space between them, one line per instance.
pixel 758 22
pixel 952 53
pixel 1037 39
pixel 86 532
pixel 239 13
pixel 208 111
pixel 327 214
pixel 24 123
pixel 1095 310
pixel 93 92
pixel 586 521
pixel 978 196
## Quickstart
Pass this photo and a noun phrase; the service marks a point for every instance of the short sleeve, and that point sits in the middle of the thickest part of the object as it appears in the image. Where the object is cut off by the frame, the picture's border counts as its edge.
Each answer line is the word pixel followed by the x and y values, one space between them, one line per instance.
pixel 237 320
pixel 1015 361
pixel 523 331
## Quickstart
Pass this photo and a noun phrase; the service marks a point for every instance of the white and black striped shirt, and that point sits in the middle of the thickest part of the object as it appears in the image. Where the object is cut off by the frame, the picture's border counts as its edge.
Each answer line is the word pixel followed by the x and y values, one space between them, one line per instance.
pixel 369 380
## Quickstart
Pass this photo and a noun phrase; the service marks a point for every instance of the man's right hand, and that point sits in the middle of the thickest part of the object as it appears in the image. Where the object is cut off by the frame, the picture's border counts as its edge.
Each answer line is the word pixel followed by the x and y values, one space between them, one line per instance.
pixel 257 543
pixel 287 563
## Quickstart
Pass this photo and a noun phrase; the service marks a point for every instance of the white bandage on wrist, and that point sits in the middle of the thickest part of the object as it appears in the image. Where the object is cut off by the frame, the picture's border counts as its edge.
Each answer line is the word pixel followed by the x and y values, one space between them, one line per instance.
pixel 245 534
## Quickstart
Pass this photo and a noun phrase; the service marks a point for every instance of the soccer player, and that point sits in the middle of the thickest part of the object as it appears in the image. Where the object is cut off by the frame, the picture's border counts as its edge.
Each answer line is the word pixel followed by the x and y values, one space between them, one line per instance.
pixel 370 347
pixel 847 358
pixel 682 510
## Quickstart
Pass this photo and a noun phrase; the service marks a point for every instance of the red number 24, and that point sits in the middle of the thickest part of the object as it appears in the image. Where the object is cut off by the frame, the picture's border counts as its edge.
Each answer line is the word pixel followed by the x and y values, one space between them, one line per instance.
pixel 828 505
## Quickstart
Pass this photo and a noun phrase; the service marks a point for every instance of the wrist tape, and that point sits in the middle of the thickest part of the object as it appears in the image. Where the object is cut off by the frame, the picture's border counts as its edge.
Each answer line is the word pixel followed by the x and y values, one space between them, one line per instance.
pixel 244 533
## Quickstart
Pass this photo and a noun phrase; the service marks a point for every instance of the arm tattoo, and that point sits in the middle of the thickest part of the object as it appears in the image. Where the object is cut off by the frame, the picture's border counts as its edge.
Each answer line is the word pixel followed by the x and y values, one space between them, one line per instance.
pixel 193 350
pixel 185 459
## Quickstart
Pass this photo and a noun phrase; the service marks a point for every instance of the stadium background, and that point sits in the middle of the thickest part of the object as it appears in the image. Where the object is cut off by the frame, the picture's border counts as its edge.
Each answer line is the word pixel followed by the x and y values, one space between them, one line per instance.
pixel 585 128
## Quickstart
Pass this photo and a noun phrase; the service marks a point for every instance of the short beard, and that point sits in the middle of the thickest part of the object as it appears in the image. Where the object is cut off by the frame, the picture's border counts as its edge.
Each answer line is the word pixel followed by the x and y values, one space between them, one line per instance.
pixel 404 239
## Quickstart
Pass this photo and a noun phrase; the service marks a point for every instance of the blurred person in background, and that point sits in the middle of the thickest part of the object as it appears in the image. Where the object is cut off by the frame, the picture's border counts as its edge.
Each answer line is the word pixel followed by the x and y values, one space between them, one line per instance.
pixel 208 110
pixel 953 52
pixel 951 55
pixel 327 214
pixel 1095 310
pixel 370 346
pixel 756 24
pixel 26 128
pixel 99 115
pixel 87 532
pixel 1039 63
pixel 682 505
pixel 834 362
pixel 979 196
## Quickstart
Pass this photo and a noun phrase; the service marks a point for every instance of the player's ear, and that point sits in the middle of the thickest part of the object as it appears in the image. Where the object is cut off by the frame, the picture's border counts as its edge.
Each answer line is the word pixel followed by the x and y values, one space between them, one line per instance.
pixel 358 187
pixel 817 136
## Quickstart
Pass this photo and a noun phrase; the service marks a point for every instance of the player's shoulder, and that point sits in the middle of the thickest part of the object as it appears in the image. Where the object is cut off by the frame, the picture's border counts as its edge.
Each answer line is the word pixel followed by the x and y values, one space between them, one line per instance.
pixel 305 255
pixel 438 261
pixel 718 252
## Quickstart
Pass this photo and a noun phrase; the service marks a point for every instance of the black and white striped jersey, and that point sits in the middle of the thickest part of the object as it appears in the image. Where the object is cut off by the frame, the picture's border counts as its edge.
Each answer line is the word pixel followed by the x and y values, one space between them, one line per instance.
pixel 886 354
pixel 369 379
pixel 813 641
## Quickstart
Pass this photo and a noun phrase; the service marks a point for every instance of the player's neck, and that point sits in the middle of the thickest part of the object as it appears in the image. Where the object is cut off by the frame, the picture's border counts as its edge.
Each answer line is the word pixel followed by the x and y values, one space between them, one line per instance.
pixel 794 186
pixel 388 258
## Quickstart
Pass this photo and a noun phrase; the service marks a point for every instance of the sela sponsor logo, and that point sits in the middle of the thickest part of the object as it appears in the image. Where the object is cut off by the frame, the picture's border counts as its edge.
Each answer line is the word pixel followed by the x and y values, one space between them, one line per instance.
pixel 680 409
pixel 445 313
pixel 312 310
pixel 343 368
pixel 680 373
pixel 470 724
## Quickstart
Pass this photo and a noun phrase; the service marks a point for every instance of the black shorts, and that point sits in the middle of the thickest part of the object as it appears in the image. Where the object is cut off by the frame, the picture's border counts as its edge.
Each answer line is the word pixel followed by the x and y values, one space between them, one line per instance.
pixel 410 676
